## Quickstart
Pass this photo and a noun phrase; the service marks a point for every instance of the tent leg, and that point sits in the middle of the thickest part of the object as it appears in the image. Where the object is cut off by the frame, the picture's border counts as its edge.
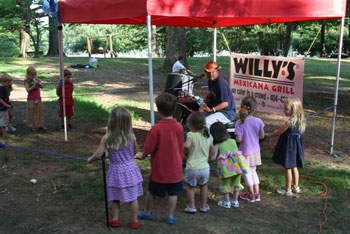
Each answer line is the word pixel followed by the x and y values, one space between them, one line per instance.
pixel 150 69
pixel 337 82
pixel 60 39
pixel 214 45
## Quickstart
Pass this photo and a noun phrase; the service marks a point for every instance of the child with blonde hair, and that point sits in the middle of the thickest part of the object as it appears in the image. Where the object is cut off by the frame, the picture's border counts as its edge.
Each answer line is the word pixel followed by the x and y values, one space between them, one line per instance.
pixel 198 147
pixel 248 131
pixel 35 112
pixel 5 82
pixel 289 151
pixel 124 179
pixel 231 165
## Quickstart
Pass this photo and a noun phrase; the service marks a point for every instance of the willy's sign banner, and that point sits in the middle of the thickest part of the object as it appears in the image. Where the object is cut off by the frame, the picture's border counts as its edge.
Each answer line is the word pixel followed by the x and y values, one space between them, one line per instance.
pixel 270 80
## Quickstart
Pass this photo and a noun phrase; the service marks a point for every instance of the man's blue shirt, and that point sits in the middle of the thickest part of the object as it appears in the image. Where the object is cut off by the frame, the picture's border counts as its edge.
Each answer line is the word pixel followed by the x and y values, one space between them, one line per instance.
pixel 220 92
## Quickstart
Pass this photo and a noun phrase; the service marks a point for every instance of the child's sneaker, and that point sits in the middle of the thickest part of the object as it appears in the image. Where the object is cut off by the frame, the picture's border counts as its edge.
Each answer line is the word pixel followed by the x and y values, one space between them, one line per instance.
pixel 190 210
pixel 247 196
pixel 143 215
pixel 234 203
pixel 224 204
pixel 285 192
pixel 10 128
pixel 257 197
pixel 205 209
pixel 170 220
pixel 296 190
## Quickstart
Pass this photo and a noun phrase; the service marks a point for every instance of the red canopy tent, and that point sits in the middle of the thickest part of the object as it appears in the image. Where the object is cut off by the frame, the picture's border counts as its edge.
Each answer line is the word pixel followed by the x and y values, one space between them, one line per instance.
pixel 200 13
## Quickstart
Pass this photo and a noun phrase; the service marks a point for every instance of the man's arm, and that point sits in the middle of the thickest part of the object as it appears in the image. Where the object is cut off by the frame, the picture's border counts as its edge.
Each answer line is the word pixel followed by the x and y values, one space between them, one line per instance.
pixel 216 108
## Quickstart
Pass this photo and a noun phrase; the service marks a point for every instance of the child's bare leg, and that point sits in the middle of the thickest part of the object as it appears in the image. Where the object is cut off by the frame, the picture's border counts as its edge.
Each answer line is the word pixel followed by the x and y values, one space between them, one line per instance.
pixel 190 196
pixel 115 205
pixel 4 132
pixel 296 177
pixel 256 188
pixel 288 174
pixel 134 205
pixel 69 119
pixel 204 195
pixel 149 202
pixel 10 116
pixel 251 190
pixel 227 197
pixel 172 200
pixel 235 195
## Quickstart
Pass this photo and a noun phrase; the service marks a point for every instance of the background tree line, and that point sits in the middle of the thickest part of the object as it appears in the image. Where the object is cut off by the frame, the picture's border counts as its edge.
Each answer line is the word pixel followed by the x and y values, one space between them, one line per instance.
pixel 23 32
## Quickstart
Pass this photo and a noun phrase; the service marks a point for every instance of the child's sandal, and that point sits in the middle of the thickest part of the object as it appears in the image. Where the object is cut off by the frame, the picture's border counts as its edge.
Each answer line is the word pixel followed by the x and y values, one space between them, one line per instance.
pixel 43 128
pixel 114 222
pixel 134 225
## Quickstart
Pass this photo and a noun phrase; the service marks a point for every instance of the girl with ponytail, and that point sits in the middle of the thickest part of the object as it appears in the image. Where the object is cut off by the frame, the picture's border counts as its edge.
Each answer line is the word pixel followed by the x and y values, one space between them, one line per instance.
pixel 197 148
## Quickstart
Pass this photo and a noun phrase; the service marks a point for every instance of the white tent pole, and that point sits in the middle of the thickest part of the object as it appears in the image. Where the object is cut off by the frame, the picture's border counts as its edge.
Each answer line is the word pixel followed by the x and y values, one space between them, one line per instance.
pixel 150 69
pixel 214 46
pixel 337 81
pixel 60 40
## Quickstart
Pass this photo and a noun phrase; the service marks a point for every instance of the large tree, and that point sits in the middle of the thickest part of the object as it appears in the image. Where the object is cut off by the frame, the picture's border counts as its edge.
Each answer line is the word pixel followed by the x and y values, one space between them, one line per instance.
pixel 23 15
pixel 289 28
pixel 175 46
pixel 53 38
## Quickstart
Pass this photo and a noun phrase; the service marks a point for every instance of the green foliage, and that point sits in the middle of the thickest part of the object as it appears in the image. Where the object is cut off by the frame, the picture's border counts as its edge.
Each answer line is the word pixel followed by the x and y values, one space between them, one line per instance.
pixel 125 37
pixel 305 33
pixel 8 46
pixel 199 40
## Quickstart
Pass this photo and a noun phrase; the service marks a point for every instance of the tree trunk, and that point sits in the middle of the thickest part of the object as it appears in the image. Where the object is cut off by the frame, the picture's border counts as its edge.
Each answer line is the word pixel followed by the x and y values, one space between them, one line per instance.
pixel 175 46
pixel 323 41
pixel 348 50
pixel 154 42
pixel 53 38
pixel 24 44
pixel 289 27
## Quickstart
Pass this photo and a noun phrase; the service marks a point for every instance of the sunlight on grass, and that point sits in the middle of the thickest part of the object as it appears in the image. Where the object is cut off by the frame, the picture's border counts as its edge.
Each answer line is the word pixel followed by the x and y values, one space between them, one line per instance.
pixel 138 110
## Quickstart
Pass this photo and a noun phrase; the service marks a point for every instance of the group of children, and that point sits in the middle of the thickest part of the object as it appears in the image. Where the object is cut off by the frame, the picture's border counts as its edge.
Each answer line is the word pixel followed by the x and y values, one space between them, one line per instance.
pixel 34 111
pixel 165 145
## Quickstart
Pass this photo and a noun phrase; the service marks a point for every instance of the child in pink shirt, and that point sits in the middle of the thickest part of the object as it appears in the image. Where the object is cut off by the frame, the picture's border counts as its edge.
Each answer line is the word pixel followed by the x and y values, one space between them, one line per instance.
pixel 35 112
pixel 249 130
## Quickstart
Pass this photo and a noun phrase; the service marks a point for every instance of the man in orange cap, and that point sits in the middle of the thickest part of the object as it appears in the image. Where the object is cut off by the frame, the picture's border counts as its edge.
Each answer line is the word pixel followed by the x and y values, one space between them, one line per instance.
pixel 219 103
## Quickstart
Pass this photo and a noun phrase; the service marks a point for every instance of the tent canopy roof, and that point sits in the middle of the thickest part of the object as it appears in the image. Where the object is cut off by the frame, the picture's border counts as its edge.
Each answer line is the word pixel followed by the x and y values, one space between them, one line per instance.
pixel 198 13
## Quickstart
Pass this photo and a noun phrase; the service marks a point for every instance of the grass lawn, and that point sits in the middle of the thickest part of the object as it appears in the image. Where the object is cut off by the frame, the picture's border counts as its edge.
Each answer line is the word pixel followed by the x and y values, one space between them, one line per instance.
pixel 69 195
pixel 318 71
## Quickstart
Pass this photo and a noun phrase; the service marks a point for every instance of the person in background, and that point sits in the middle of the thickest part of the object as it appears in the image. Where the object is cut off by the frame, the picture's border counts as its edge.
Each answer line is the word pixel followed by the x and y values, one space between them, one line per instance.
pixel 35 110
pixel 289 151
pixel 5 82
pixel 10 127
pixel 178 66
pixel 248 131
pixel 165 144
pixel 124 179
pixel 219 104
pixel 69 102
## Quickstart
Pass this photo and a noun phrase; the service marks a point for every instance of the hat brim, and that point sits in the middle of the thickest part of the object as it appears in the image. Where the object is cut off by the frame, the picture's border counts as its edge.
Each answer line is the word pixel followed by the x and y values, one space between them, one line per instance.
pixel 211 69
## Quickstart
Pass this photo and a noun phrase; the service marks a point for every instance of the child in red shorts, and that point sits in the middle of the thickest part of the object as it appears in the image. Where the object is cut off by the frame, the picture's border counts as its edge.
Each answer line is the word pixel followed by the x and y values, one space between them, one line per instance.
pixel 69 102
